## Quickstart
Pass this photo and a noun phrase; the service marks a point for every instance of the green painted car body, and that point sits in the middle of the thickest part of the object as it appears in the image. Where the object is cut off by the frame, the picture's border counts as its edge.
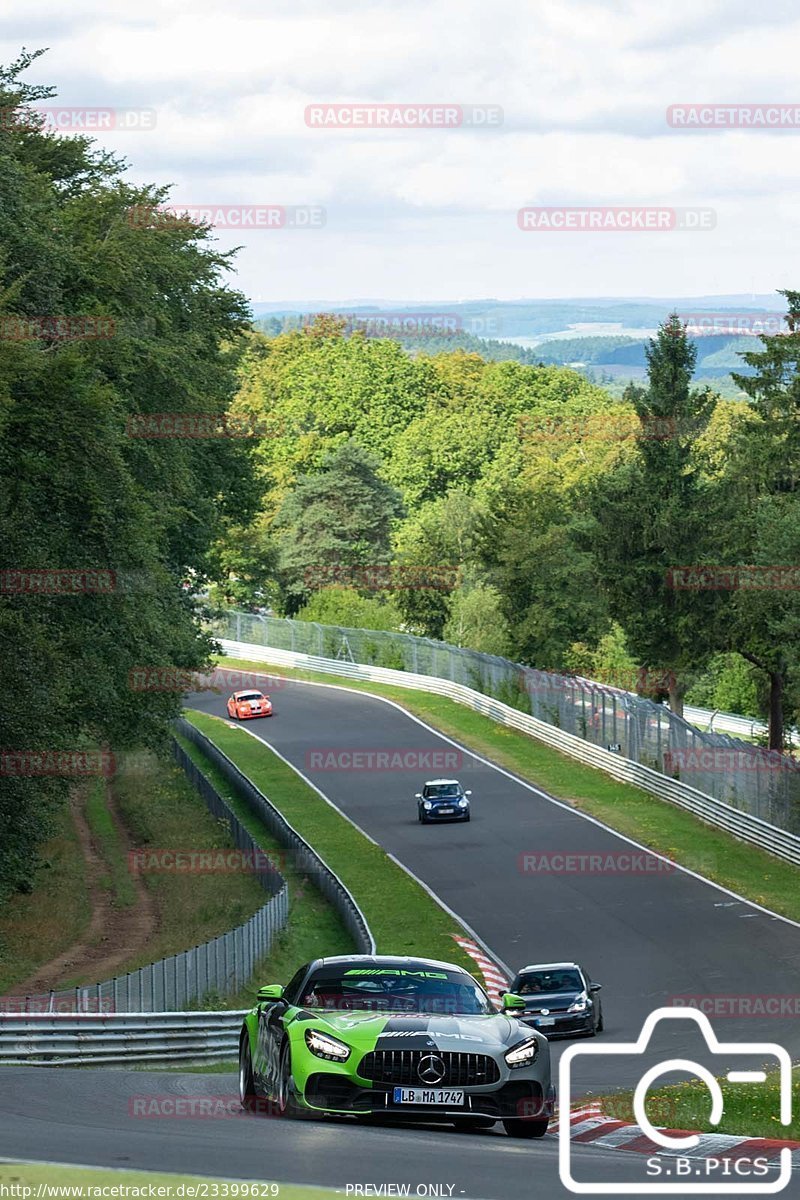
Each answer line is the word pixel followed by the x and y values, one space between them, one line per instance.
pixel 437 1049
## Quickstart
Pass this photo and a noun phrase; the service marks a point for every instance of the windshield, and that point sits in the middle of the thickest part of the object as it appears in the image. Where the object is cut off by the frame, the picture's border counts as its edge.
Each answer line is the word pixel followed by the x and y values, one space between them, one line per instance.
pixel 395 989
pixel 565 979
pixel 250 696
pixel 441 791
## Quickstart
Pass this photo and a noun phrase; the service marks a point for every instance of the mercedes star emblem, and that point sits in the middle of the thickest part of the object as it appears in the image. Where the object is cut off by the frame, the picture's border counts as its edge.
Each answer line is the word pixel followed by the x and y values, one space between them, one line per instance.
pixel 431 1069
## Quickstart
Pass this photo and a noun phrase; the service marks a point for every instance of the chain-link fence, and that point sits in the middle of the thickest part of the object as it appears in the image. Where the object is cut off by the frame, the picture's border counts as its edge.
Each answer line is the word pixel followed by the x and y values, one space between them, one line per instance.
pixel 218 968
pixel 763 783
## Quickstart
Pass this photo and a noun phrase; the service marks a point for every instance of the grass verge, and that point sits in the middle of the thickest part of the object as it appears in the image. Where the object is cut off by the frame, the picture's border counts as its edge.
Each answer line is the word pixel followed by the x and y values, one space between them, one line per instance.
pixel 403 918
pixel 80 1180
pixel 34 927
pixel 654 823
pixel 313 929
pixel 110 844
pixel 751 1111
pixel 161 809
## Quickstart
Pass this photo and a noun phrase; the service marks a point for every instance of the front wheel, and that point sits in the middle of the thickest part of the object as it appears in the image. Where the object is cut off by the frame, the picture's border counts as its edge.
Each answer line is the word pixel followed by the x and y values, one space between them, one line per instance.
pixel 526 1129
pixel 286 1099
pixel 248 1097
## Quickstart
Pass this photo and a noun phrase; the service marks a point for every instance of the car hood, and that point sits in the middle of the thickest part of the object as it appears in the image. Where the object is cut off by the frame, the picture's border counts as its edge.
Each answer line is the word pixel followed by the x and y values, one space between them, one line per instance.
pixel 550 1000
pixel 370 1031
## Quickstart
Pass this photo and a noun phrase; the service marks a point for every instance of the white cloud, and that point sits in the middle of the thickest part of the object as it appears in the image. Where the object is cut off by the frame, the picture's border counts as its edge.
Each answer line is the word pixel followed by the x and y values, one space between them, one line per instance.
pixel 584 87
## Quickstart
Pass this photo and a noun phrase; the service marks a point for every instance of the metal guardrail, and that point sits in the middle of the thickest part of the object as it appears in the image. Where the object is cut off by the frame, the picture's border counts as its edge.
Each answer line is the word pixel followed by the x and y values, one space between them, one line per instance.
pixel 733 723
pixel 742 824
pixel 763 783
pixel 220 966
pixel 47 1039
pixel 304 856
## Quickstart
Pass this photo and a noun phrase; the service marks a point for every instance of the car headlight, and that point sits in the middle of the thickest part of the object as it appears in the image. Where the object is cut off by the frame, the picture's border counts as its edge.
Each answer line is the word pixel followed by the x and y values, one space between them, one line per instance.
pixel 427 804
pixel 463 803
pixel 326 1047
pixel 580 1005
pixel 523 1054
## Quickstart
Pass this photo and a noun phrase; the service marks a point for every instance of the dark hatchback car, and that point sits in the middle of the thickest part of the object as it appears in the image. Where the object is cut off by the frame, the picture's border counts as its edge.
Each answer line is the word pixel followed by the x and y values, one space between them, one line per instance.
pixel 442 800
pixel 560 998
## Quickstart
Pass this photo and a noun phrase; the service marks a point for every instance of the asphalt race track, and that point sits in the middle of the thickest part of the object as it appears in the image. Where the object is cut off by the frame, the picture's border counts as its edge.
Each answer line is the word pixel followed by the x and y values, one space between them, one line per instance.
pixel 645 936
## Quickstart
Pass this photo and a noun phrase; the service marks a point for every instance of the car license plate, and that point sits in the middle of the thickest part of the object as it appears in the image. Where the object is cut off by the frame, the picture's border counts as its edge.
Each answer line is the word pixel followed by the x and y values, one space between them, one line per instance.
pixel 446 1096
pixel 545 1021
pixel 445 812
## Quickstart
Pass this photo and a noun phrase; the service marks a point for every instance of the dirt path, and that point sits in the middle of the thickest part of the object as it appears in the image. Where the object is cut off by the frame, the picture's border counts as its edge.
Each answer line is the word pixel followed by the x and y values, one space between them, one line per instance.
pixel 114 934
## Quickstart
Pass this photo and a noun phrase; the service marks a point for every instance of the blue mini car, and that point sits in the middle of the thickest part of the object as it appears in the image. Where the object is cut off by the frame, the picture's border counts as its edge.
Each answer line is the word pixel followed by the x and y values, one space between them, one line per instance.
pixel 442 800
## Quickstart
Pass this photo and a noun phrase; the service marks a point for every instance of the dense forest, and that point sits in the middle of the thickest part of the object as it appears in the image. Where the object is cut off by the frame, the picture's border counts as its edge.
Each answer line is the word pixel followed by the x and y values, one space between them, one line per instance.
pixel 507 506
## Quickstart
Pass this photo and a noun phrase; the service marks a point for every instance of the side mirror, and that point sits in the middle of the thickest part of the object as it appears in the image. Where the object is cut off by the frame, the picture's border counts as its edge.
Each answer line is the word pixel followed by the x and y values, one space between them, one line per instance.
pixel 512 1003
pixel 595 987
pixel 273 991
pixel 418 795
pixel 467 793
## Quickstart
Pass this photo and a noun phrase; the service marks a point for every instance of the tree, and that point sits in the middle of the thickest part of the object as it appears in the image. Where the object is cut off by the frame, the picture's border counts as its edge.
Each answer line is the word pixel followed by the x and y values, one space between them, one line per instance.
pixel 654 513
pixel 103 322
pixel 477 621
pixel 346 606
pixel 336 520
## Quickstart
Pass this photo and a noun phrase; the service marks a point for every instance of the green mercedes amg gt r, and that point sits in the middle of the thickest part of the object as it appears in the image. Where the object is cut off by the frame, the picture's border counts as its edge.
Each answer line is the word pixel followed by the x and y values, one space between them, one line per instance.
pixel 410 1038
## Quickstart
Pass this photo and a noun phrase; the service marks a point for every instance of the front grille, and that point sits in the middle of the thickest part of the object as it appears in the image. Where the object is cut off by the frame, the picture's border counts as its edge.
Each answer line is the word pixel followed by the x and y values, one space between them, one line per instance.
pixel 402 1067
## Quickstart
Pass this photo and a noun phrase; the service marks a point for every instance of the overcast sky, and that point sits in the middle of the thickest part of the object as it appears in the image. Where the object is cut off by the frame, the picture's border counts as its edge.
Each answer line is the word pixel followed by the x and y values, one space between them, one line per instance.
pixel 432 214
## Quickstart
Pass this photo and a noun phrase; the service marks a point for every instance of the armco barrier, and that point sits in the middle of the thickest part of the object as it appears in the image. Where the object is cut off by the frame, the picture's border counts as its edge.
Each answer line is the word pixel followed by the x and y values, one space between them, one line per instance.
pixel 304 856
pixel 47 1039
pixel 764 784
pixel 749 828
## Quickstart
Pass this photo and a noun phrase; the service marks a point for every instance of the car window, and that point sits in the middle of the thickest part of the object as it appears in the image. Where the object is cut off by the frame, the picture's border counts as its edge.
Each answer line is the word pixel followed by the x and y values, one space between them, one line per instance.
pixel 441 791
pixel 292 990
pixel 532 983
pixel 395 989
pixel 250 696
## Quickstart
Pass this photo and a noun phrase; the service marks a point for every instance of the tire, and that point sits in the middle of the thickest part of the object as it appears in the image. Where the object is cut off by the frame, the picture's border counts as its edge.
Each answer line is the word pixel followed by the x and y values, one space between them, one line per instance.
pixel 526 1129
pixel 285 1102
pixel 248 1096
pixel 600 1023
pixel 466 818
pixel 421 819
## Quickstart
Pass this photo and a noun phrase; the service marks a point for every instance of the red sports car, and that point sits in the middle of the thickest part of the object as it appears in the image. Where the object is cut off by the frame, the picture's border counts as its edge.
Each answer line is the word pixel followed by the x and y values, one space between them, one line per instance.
pixel 243 705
